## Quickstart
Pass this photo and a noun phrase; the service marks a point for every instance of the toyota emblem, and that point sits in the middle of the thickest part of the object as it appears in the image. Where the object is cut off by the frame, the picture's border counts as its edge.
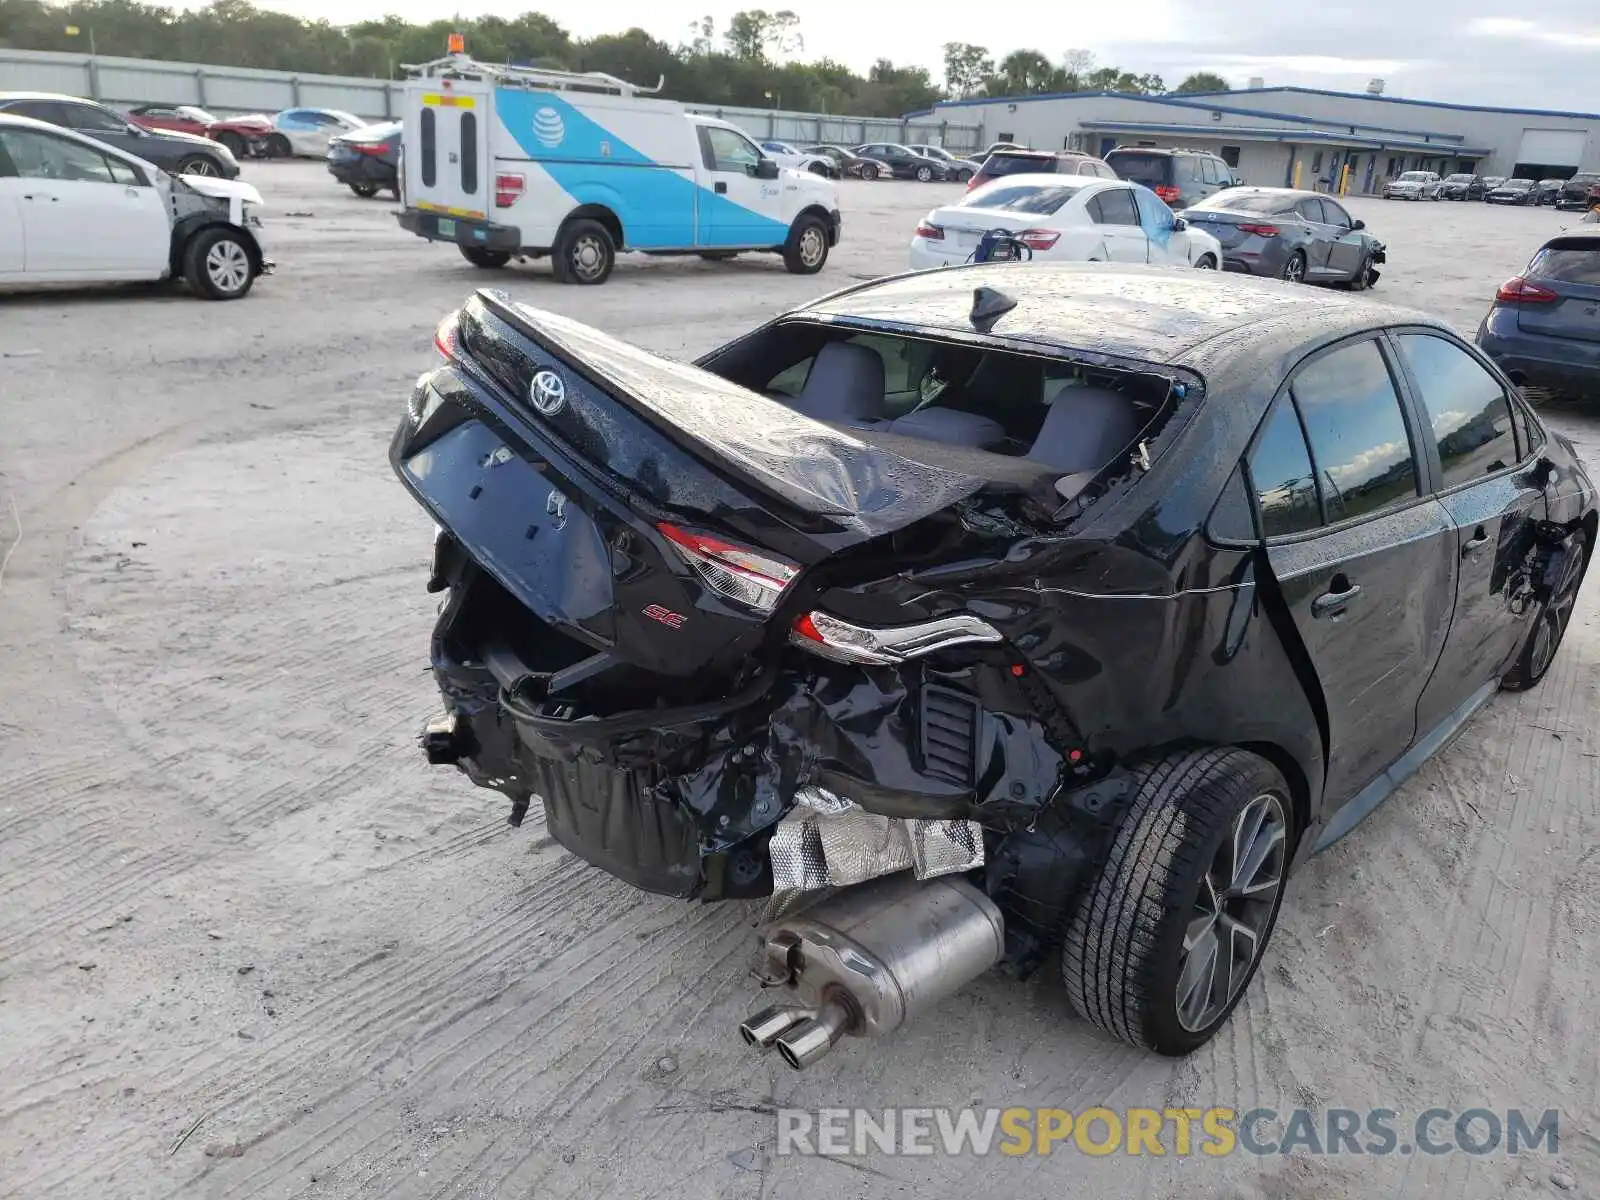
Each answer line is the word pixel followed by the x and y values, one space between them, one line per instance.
pixel 548 393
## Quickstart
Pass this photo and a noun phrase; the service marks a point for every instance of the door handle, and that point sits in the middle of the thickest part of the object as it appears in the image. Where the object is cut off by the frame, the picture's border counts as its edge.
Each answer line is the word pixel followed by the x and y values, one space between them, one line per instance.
pixel 1333 603
pixel 1476 542
pixel 40 196
pixel 720 188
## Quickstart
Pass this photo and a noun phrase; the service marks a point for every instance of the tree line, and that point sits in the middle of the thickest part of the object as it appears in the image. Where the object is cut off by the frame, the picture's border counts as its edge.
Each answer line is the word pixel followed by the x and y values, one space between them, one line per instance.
pixel 756 60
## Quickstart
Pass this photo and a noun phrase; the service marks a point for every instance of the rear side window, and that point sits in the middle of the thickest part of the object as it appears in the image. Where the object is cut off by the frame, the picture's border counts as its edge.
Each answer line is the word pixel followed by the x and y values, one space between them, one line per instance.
pixel 430 166
pixel 1280 473
pixel 1186 168
pixel 1209 170
pixel 1310 209
pixel 1466 407
pixel 1114 206
pixel 1359 444
pixel 1149 169
pixel 1562 265
pixel 469 153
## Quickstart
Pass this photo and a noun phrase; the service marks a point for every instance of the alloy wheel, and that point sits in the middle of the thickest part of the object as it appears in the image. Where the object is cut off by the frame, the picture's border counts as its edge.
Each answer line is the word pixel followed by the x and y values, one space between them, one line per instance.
pixel 1294 271
pixel 1553 620
pixel 228 266
pixel 1232 912
pixel 199 166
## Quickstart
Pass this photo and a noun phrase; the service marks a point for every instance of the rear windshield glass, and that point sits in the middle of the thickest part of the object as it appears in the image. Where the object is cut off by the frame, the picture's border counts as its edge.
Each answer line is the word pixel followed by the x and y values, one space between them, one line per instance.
pixel 1148 169
pixel 1518 185
pixel 1250 202
pixel 1585 177
pixel 1025 198
pixel 1567 265
pixel 1019 164
pixel 1414 177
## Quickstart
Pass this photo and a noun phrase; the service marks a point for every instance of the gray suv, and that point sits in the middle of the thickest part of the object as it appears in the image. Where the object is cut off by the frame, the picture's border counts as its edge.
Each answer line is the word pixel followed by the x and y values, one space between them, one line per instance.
pixel 1180 177
pixel 178 153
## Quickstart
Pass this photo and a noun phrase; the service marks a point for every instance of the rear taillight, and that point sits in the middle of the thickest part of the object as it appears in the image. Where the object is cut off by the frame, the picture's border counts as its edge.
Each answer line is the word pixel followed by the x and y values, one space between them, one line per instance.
pixel 1259 230
pixel 1168 193
pixel 752 578
pixel 973 182
pixel 1518 290
pixel 1038 239
pixel 929 231
pixel 507 189
pixel 447 337
pixel 831 637
pixel 371 149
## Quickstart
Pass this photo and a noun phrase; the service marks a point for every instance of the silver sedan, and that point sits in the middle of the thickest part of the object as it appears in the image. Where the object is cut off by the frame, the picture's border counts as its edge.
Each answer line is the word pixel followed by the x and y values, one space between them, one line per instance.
pixel 1299 236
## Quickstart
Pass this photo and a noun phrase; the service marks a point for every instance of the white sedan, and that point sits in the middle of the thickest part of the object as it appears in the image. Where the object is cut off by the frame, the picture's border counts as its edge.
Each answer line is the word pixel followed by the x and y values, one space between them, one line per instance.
pixel 77 211
pixel 1071 218
pixel 785 155
pixel 308 131
pixel 1414 185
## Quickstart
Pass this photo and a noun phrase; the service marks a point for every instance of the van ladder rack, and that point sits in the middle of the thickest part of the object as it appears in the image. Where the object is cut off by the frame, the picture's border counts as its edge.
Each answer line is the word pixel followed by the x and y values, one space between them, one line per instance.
pixel 459 66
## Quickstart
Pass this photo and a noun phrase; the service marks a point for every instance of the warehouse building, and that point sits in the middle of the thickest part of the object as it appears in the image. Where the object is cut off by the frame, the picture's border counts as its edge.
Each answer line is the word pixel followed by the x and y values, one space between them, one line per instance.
pixel 1288 136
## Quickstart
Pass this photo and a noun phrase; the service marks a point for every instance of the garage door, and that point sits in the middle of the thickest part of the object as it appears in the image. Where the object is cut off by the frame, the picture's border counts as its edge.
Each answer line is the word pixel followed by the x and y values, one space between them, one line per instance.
pixel 1552 147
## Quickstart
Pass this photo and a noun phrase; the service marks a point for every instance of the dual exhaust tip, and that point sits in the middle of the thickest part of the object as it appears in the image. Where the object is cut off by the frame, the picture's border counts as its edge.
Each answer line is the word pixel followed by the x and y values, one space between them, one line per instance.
pixel 800 1035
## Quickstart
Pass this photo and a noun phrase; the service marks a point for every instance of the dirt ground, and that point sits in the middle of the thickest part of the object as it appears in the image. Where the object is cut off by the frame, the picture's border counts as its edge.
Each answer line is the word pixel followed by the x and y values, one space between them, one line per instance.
pixel 235 903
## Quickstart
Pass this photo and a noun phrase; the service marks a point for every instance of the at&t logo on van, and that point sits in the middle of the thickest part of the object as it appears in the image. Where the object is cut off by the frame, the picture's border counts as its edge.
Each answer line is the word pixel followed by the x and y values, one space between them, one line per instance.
pixel 548 127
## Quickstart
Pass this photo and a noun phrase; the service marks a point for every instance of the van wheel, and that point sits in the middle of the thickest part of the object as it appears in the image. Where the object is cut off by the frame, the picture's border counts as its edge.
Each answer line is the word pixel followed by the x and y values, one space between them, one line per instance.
pixel 217 263
pixel 584 253
pixel 489 260
pixel 807 247
pixel 1170 932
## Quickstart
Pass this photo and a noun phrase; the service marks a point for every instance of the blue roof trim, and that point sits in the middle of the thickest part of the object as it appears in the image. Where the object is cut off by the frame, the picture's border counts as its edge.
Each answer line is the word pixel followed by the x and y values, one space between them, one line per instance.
pixel 1484 108
pixel 1221 133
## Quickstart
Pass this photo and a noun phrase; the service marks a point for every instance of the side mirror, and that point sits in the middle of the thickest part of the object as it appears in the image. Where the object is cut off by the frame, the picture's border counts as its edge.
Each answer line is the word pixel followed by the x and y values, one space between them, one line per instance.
pixel 765 169
pixel 1179 224
pixel 1358 224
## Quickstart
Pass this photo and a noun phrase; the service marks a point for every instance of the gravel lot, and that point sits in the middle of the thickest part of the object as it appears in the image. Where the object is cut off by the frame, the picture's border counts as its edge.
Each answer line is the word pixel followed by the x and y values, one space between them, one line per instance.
pixel 234 894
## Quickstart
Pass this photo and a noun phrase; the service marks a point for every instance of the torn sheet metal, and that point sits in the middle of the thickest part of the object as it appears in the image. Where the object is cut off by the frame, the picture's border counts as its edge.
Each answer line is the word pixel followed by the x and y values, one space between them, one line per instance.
pixel 827 840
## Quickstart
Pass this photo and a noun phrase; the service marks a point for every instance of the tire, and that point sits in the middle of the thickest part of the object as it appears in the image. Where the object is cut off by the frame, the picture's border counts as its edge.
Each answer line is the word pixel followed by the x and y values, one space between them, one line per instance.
pixel 234 144
pixel 489 260
pixel 807 248
pixel 818 169
pixel 1206 263
pixel 584 253
pixel 1362 279
pixel 924 174
pixel 365 190
pixel 200 164
pixel 1124 961
pixel 870 171
pixel 963 176
pixel 1550 625
pixel 218 265
pixel 1294 271
pixel 278 146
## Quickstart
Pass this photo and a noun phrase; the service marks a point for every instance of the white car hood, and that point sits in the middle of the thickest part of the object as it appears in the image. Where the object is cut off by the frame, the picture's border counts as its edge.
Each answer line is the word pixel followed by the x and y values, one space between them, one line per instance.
pixel 222 189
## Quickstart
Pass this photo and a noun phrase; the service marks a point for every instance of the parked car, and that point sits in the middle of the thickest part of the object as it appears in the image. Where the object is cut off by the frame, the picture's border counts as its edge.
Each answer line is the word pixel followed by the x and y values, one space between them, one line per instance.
pixel 799 160
pixel 249 136
pixel 992 147
pixel 367 160
pixel 1288 234
pixel 1463 186
pixel 1004 163
pixel 1413 185
pixel 1490 182
pixel 74 210
pixel 180 153
pixel 307 132
pixel 1544 325
pixel 185 118
pixel 902 162
pixel 961 169
pixel 845 162
pixel 1512 191
pixel 1004 601
pixel 1179 177
pixel 1546 192
pixel 1580 193
pixel 1071 218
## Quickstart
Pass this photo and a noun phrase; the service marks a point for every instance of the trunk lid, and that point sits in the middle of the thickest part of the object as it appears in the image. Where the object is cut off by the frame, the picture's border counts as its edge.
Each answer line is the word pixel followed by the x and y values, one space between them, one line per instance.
pixel 1224 226
pixel 1569 267
pixel 964 227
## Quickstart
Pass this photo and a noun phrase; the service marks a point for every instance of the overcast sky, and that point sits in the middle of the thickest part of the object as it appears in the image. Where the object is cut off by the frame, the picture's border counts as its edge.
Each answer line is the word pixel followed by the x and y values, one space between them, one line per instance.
pixel 1533 53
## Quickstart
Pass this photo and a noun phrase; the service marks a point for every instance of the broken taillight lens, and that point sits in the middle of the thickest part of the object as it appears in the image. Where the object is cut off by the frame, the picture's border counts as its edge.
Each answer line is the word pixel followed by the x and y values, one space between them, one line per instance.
pixel 1168 193
pixel 1038 239
pixel 447 337
pixel 753 578
pixel 928 231
pixel 833 637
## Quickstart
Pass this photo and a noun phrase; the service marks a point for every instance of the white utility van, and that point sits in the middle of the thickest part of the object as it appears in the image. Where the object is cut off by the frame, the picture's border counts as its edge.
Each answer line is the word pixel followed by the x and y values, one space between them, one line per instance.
pixel 513 161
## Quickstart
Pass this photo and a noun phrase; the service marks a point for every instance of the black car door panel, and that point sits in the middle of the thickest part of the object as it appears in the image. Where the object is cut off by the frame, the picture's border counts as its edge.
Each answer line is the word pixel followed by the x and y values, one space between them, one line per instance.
pixel 1364 563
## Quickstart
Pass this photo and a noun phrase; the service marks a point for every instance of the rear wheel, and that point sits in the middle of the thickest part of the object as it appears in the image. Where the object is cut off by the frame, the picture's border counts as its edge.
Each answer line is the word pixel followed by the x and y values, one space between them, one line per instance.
pixel 1171 930
pixel 869 171
pixel 1294 271
pixel 199 164
pixel 489 260
pixel 365 190
pixel 584 253
pixel 807 247
pixel 217 263
pixel 1550 626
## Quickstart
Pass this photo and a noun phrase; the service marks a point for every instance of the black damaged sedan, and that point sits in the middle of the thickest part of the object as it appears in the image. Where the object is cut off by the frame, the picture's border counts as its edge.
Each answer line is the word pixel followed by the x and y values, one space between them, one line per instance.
pixel 980 612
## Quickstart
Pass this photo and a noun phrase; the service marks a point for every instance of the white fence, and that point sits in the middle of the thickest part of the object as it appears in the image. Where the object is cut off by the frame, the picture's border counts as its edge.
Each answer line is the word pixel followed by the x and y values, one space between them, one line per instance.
pixel 224 90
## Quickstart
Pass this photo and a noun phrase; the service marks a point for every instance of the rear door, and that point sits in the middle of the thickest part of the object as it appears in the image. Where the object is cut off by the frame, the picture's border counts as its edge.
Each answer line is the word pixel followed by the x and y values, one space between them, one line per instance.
pixel 1115 214
pixel 1487 482
pixel 1568 269
pixel 447 165
pixel 11 189
pixel 1364 560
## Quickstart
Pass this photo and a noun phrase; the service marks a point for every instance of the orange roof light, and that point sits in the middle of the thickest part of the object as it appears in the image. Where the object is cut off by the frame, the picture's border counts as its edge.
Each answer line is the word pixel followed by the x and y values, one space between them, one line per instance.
pixel 457 44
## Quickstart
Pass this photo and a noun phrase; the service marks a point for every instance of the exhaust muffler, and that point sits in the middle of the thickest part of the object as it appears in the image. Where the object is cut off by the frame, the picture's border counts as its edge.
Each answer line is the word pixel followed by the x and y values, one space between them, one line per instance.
pixel 865 961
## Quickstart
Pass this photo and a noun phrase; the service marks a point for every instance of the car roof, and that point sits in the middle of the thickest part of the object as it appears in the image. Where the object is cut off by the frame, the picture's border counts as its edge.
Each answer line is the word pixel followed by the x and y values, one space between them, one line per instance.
pixel 1158 315
pixel 13 121
pixel 1046 179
